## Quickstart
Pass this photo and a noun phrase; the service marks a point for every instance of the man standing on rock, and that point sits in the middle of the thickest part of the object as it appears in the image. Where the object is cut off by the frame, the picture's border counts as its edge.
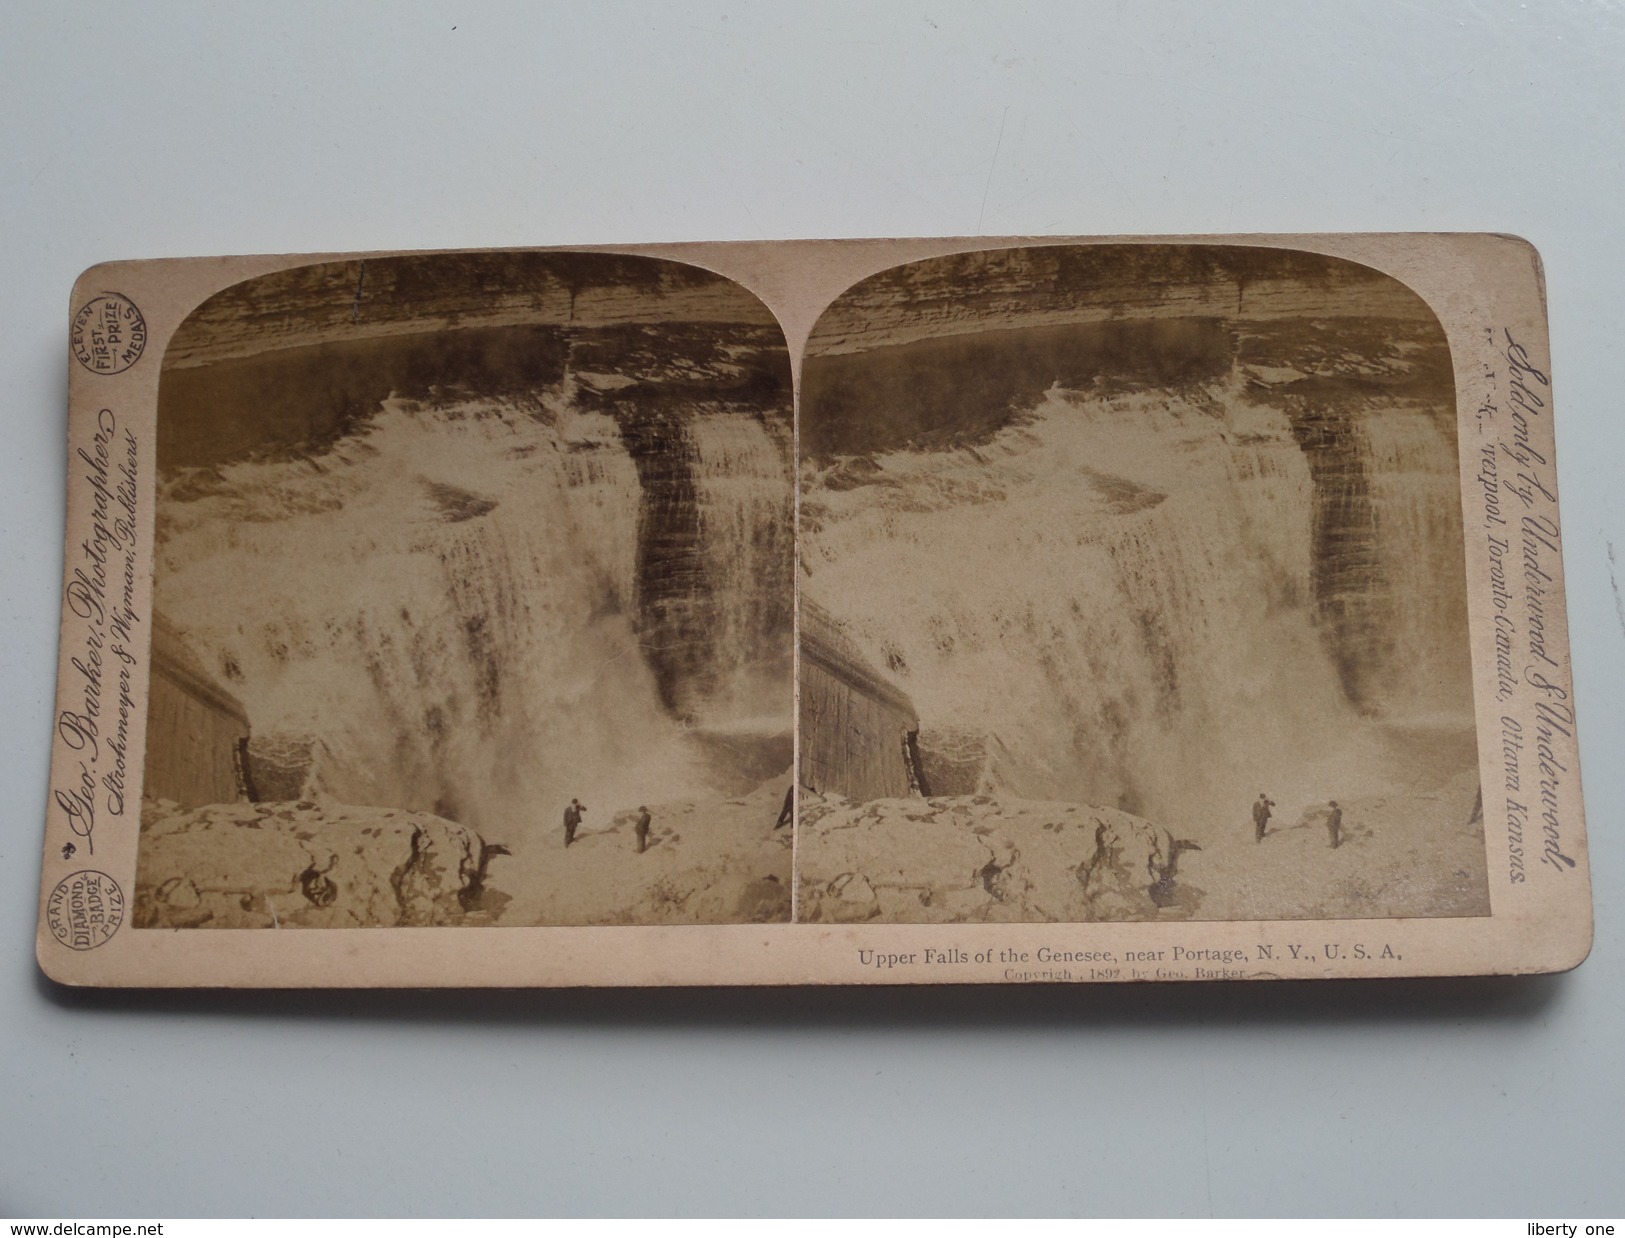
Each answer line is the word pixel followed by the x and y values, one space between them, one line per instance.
pixel 642 827
pixel 1334 824
pixel 1261 816
pixel 572 820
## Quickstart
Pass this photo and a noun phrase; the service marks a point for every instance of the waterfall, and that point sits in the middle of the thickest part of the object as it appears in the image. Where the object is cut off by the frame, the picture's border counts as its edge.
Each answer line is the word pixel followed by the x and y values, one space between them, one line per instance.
pixel 439 612
pixel 745 523
pixel 1416 495
pixel 1120 593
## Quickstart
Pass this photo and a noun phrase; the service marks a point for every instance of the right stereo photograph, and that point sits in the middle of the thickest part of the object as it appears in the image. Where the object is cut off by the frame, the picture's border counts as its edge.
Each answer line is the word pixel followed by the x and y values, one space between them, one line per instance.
pixel 1132 587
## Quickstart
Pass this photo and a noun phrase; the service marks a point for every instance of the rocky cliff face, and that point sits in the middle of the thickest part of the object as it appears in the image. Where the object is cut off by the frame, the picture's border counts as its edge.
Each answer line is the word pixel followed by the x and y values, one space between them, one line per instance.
pixel 197 733
pixel 857 727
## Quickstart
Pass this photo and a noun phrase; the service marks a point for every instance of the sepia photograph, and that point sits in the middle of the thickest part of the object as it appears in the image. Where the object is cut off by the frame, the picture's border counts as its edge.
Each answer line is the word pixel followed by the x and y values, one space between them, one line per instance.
pixel 911 611
pixel 717 610
pixel 1132 588
pixel 472 600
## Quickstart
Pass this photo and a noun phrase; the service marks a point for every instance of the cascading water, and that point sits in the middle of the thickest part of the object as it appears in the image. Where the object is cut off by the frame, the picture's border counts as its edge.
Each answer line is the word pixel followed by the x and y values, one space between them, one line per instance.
pixel 1149 623
pixel 746 531
pixel 440 611
pixel 1416 501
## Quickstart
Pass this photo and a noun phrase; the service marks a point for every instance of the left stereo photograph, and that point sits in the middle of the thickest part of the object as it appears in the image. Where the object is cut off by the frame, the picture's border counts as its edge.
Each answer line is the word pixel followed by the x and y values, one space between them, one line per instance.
pixel 471 600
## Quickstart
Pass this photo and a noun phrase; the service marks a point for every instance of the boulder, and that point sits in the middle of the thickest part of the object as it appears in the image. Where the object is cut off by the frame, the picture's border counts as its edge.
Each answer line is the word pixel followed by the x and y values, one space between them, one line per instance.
pixel 308 865
pixel 974 859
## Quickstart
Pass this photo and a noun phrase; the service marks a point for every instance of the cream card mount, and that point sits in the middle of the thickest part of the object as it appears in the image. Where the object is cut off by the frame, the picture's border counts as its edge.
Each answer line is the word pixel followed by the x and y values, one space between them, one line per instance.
pixel 989 610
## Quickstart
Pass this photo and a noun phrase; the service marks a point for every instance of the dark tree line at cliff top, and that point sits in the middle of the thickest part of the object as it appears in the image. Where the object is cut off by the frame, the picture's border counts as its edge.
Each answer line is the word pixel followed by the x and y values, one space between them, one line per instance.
pixel 303 399
pixel 961 390
pixel 1047 278
pixel 368 296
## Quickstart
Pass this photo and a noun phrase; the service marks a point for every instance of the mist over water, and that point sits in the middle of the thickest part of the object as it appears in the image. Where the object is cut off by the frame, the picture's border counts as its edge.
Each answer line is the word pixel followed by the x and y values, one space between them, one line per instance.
pixel 448 609
pixel 1164 595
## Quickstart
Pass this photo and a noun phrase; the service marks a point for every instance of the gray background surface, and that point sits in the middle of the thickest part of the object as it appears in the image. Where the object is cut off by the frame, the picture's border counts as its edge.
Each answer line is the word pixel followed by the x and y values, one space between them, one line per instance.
pixel 143 131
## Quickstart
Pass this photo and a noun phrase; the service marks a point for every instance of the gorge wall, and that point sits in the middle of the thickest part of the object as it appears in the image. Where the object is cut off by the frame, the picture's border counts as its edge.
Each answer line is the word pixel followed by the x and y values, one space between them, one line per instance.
pixel 856 728
pixel 197 732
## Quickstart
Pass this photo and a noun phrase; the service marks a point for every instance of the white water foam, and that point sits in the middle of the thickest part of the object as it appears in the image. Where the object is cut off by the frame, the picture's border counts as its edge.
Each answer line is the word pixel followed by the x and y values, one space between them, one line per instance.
pixel 443 604
pixel 1119 594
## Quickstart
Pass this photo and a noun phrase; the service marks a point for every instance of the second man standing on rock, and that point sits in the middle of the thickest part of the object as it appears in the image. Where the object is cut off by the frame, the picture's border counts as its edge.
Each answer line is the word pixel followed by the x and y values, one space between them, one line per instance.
pixel 1261 816
pixel 642 828
pixel 572 821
